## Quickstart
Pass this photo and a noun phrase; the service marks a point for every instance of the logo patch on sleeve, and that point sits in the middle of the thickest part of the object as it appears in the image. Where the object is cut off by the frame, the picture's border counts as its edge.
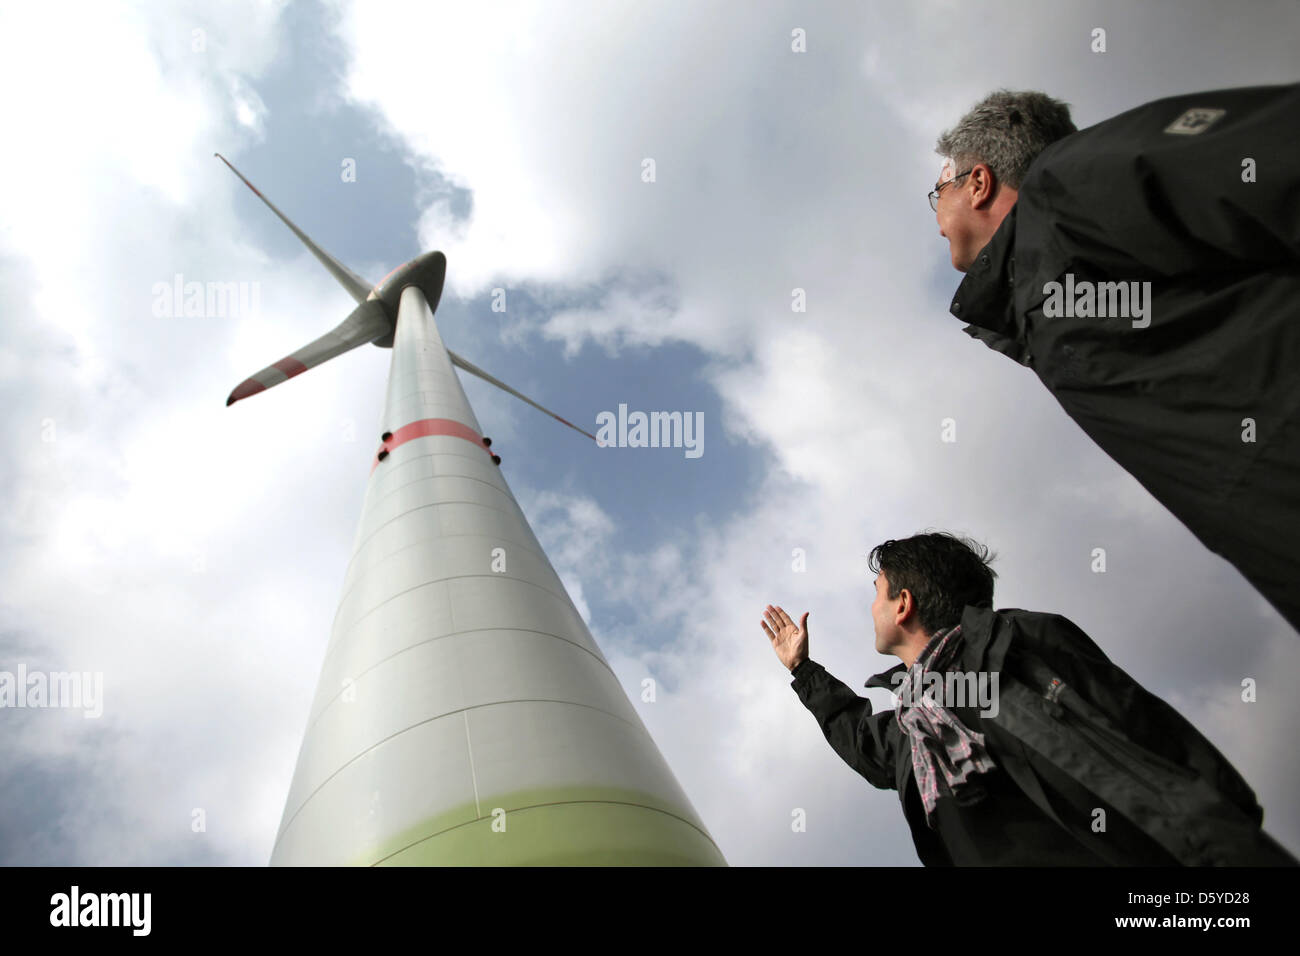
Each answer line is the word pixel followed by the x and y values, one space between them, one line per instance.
pixel 1194 121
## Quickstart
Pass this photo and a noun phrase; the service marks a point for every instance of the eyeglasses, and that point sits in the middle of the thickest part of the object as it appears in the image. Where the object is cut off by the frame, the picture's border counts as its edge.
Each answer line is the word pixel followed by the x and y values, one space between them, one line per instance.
pixel 934 193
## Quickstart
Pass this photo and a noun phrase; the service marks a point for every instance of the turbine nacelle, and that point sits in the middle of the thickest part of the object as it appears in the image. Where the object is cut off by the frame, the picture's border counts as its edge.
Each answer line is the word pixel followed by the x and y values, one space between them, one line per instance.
pixel 427 273
pixel 374 319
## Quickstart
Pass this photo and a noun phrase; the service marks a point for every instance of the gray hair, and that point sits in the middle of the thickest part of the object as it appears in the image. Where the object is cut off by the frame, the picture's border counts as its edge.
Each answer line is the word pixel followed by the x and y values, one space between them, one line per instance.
pixel 1006 131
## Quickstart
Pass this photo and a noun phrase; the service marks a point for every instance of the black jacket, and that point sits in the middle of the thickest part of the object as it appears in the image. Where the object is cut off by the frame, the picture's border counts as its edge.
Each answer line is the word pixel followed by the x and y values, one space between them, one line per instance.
pixel 1129 201
pixel 1074 733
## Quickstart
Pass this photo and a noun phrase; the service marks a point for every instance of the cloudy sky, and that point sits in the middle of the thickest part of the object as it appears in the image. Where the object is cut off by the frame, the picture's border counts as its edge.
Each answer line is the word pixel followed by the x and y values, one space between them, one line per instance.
pixel 193 553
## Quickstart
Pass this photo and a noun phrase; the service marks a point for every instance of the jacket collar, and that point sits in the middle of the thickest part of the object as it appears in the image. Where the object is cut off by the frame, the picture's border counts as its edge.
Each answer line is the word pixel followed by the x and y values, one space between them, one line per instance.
pixel 985 297
pixel 979 650
pixel 885 679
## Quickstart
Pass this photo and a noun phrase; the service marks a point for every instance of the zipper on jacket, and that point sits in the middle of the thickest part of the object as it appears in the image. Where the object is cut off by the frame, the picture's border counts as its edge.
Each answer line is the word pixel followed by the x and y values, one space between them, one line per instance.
pixel 1103 739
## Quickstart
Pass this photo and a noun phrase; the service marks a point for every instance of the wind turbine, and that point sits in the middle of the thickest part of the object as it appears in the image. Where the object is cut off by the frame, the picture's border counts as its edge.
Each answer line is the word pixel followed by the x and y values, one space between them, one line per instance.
pixel 464 715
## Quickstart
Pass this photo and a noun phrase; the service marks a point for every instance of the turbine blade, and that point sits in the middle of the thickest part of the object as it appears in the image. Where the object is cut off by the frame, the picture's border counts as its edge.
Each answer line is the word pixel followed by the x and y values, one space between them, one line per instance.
pixel 357 287
pixel 367 322
pixel 475 370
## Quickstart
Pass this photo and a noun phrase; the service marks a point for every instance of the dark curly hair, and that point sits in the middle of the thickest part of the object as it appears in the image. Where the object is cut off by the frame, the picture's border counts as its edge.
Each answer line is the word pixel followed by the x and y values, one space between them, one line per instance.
pixel 944 573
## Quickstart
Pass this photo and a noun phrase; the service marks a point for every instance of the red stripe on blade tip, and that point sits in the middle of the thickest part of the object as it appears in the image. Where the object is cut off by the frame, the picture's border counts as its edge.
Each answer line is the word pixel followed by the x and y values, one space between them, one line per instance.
pixel 290 366
pixel 250 386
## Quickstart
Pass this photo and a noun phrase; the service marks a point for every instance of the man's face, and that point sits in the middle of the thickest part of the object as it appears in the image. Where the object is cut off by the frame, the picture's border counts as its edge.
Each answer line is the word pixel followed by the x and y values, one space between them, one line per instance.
pixel 884 614
pixel 955 218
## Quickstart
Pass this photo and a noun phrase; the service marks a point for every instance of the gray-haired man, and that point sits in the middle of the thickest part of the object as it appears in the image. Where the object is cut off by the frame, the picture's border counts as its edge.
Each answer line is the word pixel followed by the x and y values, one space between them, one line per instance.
pixel 1148 270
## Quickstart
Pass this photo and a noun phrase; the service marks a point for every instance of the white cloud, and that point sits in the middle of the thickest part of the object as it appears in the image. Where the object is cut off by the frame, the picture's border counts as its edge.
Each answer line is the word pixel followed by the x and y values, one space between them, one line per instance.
pixel 137 493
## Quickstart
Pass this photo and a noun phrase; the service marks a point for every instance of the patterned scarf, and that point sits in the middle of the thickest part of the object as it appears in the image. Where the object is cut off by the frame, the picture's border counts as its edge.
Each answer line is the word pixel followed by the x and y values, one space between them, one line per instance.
pixel 946 755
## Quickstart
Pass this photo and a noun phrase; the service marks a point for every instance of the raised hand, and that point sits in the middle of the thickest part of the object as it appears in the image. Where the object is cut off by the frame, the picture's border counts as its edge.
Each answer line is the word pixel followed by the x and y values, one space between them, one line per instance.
pixel 789 640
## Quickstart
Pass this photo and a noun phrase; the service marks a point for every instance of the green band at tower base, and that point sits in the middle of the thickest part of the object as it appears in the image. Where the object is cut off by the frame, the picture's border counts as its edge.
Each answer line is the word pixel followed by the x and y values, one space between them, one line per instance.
pixel 578 827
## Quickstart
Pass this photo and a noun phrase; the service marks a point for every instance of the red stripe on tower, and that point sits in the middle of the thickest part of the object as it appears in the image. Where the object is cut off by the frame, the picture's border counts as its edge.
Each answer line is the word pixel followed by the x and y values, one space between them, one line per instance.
pixel 424 428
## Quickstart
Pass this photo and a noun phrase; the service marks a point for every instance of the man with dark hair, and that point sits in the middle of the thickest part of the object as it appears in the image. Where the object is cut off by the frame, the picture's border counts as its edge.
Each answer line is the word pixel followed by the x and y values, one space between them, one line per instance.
pixel 1014 739
pixel 1148 270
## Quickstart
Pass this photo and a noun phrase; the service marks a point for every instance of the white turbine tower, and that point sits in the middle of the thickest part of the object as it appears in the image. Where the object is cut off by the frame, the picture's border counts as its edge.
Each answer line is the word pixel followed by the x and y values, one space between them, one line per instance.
pixel 464 714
